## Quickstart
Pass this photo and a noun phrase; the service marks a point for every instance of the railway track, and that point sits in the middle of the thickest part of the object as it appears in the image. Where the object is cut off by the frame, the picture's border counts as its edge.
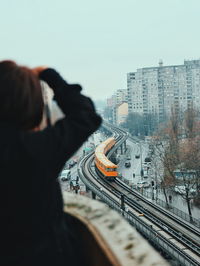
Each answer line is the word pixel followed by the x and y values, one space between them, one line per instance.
pixel 192 229
pixel 143 214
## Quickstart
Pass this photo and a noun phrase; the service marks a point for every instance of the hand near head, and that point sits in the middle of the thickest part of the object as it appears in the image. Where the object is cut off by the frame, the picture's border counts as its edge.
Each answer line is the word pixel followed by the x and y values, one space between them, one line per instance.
pixel 39 69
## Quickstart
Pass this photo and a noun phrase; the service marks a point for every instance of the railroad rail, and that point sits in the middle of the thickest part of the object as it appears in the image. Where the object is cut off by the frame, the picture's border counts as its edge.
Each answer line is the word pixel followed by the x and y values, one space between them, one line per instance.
pixel 153 226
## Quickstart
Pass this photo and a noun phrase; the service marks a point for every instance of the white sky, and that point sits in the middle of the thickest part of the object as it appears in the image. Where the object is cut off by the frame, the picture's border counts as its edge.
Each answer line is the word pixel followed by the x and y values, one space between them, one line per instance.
pixel 95 43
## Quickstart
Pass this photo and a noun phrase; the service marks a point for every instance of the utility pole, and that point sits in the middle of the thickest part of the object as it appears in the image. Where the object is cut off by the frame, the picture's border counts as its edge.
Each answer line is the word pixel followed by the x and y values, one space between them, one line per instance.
pixel 152 186
pixel 122 204
pixel 141 171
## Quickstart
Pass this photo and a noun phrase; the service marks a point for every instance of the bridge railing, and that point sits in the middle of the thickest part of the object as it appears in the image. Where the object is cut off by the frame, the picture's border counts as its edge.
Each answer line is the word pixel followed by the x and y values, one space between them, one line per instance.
pixel 105 237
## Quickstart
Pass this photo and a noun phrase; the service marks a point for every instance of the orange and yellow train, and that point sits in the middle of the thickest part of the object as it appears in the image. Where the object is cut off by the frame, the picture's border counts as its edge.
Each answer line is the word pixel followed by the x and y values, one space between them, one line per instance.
pixel 106 167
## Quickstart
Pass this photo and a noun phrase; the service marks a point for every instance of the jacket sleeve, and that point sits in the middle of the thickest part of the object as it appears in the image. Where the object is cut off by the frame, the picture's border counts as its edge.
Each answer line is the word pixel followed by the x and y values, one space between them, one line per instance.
pixel 56 144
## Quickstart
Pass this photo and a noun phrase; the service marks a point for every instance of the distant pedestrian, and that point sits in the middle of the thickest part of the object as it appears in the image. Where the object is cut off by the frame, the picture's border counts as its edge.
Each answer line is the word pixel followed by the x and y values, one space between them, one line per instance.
pixel 170 198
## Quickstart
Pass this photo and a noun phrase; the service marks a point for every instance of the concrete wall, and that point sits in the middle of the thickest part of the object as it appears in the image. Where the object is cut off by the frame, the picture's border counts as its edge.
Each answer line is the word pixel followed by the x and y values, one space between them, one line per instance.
pixel 107 238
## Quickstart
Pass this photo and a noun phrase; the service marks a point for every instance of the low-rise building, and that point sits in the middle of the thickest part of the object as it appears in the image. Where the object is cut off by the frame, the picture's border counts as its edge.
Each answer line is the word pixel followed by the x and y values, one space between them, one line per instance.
pixel 121 113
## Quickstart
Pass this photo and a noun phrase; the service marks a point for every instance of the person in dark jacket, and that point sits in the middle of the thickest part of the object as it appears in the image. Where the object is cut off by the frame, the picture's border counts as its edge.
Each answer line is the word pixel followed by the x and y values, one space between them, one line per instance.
pixel 31 205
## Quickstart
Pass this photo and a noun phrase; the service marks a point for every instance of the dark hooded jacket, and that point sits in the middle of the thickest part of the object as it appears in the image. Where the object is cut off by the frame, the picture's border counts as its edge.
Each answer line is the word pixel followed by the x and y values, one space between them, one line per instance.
pixel 30 162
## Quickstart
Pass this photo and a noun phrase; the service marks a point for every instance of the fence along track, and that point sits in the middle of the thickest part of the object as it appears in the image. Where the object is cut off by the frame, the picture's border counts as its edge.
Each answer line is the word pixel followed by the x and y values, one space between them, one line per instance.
pixel 160 241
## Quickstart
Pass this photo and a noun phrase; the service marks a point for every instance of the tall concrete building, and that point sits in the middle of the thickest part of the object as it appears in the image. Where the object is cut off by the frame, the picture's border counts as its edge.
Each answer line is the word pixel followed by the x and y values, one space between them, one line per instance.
pixel 155 90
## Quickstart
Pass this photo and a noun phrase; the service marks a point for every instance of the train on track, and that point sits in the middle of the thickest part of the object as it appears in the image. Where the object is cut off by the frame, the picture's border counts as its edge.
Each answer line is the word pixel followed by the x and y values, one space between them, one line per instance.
pixel 103 165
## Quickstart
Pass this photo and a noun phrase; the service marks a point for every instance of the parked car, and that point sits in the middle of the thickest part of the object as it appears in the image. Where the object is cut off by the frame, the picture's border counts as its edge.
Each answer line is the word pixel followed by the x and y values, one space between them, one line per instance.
pixel 182 190
pixel 127 164
pixel 65 175
pixel 66 167
pixel 143 184
pixel 128 157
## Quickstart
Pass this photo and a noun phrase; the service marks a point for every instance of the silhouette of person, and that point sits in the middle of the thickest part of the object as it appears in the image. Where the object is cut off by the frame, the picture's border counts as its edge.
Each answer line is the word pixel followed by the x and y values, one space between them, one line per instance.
pixel 33 229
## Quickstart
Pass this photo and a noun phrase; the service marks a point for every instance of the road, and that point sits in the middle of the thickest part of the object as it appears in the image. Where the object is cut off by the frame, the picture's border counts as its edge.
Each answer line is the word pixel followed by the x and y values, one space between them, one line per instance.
pixel 94 140
pixel 177 201
pixel 127 173
pixel 135 168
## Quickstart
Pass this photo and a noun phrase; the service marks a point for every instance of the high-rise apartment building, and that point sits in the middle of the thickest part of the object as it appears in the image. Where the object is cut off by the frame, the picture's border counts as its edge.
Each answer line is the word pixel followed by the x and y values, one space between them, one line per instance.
pixel 156 90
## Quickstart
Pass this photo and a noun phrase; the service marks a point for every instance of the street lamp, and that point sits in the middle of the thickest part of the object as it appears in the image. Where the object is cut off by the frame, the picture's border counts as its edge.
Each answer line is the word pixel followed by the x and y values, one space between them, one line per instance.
pixel 142 171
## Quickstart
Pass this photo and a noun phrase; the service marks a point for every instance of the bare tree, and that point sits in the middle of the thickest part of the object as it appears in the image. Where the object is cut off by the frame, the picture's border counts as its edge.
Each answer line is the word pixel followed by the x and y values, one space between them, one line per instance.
pixel 189 176
pixel 190 119
pixel 163 165
pixel 180 154
pixel 186 184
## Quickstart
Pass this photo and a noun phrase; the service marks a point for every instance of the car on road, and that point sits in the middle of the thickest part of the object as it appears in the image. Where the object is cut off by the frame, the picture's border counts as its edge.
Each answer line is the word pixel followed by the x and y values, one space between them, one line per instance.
pixel 128 157
pixel 144 166
pixel 147 163
pixel 145 172
pixel 147 160
pixel 127 164
pixel 143 184
pixel 137 156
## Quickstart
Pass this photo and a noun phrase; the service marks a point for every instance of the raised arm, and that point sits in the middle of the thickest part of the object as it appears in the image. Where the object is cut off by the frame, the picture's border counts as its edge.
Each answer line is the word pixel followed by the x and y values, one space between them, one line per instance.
pixel 60 141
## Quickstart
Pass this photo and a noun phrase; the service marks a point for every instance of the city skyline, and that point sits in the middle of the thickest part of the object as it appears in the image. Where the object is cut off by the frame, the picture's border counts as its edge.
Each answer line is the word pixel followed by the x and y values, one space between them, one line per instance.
pixel 97 43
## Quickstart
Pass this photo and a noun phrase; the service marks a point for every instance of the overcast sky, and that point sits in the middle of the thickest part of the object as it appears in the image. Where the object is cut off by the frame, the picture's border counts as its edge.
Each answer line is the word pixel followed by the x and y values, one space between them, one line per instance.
pixel 95 43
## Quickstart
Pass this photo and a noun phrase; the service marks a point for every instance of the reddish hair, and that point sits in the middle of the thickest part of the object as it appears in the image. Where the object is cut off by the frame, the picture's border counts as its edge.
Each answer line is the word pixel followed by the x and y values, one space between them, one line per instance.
pixel 21 101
